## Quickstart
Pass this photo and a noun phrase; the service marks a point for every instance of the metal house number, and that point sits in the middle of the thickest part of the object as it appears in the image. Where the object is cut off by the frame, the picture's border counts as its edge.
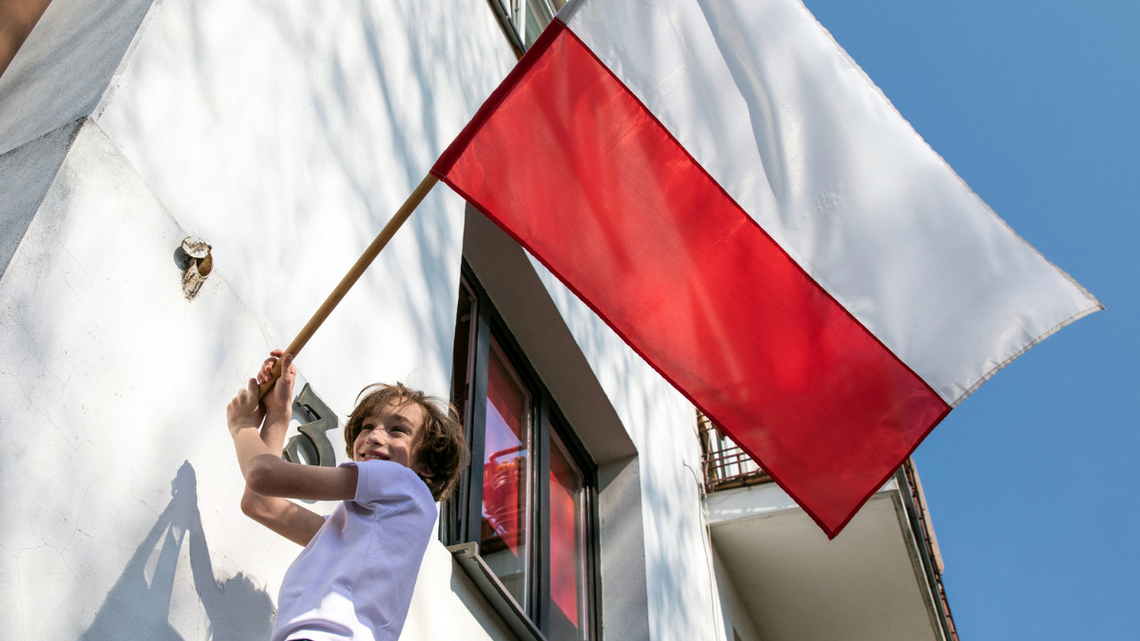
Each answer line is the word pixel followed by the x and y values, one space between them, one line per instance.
pixel 312 445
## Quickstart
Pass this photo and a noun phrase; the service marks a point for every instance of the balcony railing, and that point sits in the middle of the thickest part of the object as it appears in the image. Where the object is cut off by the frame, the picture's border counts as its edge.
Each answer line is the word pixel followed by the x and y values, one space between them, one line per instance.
pixel 920 521
pixel 727 466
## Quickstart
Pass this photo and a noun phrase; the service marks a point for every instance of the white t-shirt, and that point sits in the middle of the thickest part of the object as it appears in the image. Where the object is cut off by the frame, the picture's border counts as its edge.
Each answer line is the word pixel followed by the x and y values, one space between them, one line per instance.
pixel 354 580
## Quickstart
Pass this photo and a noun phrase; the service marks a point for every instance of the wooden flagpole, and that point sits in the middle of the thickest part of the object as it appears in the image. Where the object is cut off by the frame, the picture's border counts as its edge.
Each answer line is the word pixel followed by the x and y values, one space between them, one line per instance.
pixel 354 274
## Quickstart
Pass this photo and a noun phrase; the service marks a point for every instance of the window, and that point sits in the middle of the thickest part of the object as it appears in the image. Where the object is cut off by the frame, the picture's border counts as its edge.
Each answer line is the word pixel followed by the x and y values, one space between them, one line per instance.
pixel 527 499
pixel 568 552
pixel 524 20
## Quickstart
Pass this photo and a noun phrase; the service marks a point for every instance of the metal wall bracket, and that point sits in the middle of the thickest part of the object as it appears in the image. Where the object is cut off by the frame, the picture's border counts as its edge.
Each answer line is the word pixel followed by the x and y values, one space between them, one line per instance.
pixel 196 261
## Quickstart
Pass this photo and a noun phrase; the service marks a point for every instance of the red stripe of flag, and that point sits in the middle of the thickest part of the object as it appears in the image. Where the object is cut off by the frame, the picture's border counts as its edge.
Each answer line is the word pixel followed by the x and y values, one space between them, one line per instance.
pixel 572 165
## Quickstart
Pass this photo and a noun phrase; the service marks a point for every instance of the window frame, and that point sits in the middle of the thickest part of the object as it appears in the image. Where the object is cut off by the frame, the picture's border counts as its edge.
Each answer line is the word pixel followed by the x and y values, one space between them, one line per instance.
pixel 512 16
pixel 461 516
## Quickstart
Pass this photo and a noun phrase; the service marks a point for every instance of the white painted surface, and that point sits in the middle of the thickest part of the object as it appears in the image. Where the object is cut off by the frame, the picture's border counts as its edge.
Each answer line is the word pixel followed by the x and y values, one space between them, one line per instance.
pixel 799 586
pixel 26 172
pixel 287 133
pixel 65 65
pixel 737 620
pixel 447 605
pixel 118 477
pixel 113 442
pixel 757 500
pixel 774 110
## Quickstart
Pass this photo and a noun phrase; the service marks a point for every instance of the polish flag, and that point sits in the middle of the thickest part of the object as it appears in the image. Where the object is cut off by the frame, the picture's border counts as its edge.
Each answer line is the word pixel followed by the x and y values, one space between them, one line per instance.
pixel 727 189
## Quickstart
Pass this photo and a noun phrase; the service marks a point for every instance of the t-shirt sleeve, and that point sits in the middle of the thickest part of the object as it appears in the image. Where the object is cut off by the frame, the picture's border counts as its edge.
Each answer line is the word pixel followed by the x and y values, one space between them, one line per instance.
pixel 387 484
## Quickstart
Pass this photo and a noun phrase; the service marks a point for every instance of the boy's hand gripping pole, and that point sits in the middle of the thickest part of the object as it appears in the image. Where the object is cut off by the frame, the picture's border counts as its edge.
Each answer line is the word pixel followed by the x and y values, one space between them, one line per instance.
pixel 346 283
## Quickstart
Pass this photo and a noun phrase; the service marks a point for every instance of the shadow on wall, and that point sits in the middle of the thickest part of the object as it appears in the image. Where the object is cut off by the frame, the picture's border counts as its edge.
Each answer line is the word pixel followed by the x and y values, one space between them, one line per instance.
pixel 415 96
pixel 17 17
pixel 136 609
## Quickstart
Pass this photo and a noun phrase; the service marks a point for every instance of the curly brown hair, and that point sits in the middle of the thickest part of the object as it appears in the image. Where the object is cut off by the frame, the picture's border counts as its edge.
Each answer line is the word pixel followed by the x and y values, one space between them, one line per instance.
pixel 440 449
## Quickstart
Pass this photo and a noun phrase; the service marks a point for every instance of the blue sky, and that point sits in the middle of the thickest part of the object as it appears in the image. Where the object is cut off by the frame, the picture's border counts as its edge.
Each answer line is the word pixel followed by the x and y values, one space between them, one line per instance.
pixel 1033 481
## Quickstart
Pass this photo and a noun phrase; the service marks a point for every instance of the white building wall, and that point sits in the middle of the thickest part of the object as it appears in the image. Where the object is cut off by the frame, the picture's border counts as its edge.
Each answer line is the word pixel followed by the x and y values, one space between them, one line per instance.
pixel 118 477
pixel 64 67
pixel 738 623
pixel 285 134
pixel 111 443
pixel 28 171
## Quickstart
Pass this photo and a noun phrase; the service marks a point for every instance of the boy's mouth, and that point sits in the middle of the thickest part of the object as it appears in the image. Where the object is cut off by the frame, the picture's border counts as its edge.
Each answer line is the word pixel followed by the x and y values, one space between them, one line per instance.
pixel 378 456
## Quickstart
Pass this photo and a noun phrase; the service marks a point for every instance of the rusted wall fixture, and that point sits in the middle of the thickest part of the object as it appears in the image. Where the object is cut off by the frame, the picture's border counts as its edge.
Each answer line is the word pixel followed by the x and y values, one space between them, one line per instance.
pixel 196 261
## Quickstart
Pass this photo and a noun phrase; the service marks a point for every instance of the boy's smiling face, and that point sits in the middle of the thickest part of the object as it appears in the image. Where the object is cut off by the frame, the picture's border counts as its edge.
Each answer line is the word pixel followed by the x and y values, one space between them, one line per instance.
pixel 390 434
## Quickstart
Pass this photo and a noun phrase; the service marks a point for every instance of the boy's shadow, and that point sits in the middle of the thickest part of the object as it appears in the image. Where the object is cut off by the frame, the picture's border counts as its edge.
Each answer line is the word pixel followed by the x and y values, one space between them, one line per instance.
pixel 136 609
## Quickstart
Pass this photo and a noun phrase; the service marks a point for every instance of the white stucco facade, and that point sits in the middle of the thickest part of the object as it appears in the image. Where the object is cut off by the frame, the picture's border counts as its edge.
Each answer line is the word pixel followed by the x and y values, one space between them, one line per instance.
pixel 285 134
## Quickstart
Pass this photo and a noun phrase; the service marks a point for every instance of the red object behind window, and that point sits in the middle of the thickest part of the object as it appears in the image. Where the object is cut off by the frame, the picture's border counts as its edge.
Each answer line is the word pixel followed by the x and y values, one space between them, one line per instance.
pixel 566 562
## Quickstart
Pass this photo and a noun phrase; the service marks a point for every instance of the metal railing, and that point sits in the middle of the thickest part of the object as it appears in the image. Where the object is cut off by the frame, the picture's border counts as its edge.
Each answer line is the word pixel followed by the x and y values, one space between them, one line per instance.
pixel 725 464
pixel 930 552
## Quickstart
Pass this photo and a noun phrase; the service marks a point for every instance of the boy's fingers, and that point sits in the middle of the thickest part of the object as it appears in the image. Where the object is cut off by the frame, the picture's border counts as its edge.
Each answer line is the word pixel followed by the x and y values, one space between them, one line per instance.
pixel 288 373
pixel 265 374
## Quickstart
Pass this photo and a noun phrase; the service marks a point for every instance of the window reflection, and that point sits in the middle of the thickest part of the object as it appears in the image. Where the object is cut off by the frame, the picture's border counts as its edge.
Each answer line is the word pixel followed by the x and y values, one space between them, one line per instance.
pixel 567 546
pixel 503 540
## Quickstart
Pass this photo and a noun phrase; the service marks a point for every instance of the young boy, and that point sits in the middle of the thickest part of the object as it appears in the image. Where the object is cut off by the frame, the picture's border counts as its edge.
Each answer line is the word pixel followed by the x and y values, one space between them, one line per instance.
pixel 355 577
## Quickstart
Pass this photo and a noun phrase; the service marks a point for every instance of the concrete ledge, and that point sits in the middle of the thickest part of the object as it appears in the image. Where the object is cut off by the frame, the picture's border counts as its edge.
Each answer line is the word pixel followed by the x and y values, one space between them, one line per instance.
pixel 467 554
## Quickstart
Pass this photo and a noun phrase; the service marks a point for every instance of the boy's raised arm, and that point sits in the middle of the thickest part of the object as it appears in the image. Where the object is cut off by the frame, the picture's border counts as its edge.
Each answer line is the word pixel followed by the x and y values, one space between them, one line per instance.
pixel 269 479
pixel 283 516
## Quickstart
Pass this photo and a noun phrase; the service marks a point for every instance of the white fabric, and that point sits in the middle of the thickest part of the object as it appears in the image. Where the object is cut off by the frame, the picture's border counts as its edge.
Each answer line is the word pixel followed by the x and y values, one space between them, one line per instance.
pixel 775 111
pixel 354 580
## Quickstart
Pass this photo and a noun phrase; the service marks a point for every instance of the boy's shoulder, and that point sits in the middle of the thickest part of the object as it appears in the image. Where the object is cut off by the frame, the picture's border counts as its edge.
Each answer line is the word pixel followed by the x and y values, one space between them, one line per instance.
pixel 380 481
